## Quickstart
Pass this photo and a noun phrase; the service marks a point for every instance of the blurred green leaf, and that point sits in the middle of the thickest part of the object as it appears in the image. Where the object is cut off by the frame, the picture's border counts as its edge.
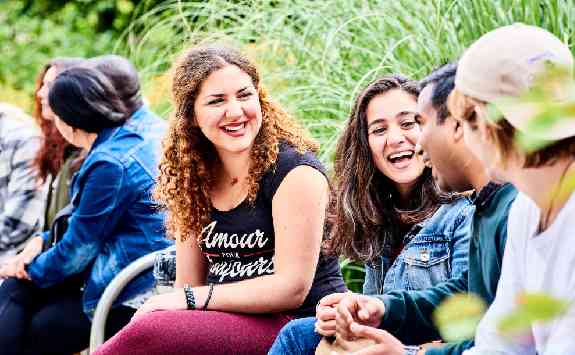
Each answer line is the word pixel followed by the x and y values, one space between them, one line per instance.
pixel 457 317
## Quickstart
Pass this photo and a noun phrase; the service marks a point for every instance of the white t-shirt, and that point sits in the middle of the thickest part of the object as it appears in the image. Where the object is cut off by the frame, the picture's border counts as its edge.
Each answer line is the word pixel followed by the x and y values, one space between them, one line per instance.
pixel 533 263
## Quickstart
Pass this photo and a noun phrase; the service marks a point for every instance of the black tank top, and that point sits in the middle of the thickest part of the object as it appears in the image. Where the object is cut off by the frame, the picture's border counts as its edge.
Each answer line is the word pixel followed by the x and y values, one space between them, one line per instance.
pixel 239 243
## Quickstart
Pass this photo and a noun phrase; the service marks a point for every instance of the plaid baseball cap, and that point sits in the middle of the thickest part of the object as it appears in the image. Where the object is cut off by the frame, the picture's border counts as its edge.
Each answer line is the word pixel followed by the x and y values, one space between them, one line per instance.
pixel 504 63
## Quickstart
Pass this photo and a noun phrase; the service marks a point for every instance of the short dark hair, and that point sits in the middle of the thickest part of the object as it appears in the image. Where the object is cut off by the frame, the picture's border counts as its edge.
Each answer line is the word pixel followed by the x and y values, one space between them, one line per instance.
pixel 84 98
pixel 123 75
pixel 443 80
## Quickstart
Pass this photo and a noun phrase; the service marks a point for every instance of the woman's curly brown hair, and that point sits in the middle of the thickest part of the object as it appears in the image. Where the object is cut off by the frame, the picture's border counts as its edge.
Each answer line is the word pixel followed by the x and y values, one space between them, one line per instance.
pixel 187 168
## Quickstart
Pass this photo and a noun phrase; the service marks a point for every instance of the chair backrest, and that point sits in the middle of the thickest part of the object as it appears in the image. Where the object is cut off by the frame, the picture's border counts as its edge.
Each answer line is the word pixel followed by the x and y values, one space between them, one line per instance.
pixel 114 288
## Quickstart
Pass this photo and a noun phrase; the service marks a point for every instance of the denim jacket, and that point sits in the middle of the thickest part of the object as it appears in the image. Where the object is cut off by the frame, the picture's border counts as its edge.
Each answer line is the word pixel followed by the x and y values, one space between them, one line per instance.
pixel 433 252
pixel 114 219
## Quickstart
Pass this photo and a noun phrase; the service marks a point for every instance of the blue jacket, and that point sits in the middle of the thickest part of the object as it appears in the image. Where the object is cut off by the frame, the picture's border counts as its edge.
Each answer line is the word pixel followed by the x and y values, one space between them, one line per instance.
pixel 433 252
pixel 114 219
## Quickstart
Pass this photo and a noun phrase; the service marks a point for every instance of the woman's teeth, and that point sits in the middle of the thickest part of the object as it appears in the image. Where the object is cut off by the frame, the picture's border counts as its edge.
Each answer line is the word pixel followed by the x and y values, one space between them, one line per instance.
pixel 400 156
pixel 234 128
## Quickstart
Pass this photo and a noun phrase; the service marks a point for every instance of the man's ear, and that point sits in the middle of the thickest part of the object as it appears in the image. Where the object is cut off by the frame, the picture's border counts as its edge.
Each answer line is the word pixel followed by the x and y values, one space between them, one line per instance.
pixel 480 117
pixel 456 129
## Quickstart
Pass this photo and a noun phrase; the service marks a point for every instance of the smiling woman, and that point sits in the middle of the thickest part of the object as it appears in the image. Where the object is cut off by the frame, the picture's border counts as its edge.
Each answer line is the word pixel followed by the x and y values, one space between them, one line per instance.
pixel 387 211
pixel 246 200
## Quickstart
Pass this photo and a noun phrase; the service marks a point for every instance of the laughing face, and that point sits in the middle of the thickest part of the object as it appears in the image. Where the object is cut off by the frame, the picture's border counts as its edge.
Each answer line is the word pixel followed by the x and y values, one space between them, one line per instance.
pixel 228 110
pixel 393 134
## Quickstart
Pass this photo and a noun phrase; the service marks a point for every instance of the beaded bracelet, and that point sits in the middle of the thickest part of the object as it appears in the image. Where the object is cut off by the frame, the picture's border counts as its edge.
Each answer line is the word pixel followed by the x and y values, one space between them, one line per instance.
pixel 210 291
pixel 190 299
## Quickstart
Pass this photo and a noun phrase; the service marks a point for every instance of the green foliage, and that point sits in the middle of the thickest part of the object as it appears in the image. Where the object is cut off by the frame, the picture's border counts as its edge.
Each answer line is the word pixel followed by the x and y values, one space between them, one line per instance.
pixel 353 274
pixel 315 56
pixel 28 43
pixel 35 31
pixel 458 316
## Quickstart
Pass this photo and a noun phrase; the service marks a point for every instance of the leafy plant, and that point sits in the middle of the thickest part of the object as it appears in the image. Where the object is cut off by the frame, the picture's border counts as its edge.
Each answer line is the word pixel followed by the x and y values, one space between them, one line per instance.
pixel 458 316
pixel 315 56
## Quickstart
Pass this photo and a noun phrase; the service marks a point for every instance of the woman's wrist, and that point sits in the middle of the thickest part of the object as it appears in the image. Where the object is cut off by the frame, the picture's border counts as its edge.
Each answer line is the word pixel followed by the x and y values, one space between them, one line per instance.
pixel 198 298
pixel 190 297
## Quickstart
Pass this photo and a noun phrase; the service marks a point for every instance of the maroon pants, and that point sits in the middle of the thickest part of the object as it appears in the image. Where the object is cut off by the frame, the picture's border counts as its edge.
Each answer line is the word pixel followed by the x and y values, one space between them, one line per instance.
pixel 196 332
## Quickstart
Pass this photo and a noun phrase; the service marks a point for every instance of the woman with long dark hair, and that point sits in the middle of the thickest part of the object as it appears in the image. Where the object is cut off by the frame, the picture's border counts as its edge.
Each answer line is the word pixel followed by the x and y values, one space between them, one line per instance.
pixel 388 212
pixel 113 221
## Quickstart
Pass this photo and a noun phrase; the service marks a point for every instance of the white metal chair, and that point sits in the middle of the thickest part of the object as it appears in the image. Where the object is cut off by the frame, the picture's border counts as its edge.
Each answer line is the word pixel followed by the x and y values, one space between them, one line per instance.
pixel 112 291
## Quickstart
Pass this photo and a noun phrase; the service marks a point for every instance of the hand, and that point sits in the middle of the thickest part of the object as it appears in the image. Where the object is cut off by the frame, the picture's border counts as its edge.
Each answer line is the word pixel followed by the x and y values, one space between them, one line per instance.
pixel 355 308
pixel 385 343
pixel 32 250
pixel 16 266
pixel 9 268
pixel 175 300
pixel 325 314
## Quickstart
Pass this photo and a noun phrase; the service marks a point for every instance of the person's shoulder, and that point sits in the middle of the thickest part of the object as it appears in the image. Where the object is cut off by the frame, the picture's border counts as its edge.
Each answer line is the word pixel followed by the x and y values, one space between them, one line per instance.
pixel 145 119
pixel 289 157
pixel 505 194
pixel 522 205
pixel 103 157
pixel 453 213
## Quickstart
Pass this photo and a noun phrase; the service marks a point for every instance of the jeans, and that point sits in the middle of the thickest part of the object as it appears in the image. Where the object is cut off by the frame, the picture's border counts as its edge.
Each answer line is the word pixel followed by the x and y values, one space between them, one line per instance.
pixel 297 337
pixel 48 321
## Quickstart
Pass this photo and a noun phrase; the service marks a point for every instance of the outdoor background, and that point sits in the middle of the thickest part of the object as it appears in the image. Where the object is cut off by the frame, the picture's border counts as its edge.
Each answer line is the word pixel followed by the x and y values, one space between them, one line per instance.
pixel 314 55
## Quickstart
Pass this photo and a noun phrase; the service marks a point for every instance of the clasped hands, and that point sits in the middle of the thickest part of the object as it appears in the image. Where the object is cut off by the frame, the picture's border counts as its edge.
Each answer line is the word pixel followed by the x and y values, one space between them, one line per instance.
pixel 351 317
pixel 16 266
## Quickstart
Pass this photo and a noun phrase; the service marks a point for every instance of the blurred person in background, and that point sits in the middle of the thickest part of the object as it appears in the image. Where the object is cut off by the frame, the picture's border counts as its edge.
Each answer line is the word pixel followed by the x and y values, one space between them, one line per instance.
pixel 113 222
pixel 21 195
pixel 55 163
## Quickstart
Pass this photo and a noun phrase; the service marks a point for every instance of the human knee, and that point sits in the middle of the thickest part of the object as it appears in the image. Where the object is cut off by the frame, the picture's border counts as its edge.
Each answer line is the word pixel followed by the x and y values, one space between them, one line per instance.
pixel 294 337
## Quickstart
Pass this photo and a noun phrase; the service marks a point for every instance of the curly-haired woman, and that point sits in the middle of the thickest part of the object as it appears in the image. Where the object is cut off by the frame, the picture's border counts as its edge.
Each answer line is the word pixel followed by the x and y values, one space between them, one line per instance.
pixel 388 212
pixel 246 200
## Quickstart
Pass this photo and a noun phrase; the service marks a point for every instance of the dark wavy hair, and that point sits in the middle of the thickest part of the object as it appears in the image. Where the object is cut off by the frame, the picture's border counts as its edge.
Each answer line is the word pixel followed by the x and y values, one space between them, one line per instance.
pixel 123 75
pixel 365 220
pixel 84 98
pixel 54 149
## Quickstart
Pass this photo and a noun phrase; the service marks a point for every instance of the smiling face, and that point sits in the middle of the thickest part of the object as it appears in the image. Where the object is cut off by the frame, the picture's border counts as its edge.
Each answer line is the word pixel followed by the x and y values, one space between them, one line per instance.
pixel 42 93
pixel 227 110
pixel 392 135
pixel 436 142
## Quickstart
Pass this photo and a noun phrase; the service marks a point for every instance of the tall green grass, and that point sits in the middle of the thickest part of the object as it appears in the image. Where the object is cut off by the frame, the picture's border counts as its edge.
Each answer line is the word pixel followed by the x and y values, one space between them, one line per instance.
pixel 316 55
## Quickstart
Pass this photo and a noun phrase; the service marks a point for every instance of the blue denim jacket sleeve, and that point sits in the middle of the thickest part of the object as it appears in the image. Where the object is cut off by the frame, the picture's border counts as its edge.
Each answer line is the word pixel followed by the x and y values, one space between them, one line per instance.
pixel 460 242
pixel 95 215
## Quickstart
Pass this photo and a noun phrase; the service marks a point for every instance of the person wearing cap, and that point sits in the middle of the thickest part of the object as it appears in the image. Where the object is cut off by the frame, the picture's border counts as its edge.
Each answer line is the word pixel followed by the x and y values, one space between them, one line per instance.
pixel 539 255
